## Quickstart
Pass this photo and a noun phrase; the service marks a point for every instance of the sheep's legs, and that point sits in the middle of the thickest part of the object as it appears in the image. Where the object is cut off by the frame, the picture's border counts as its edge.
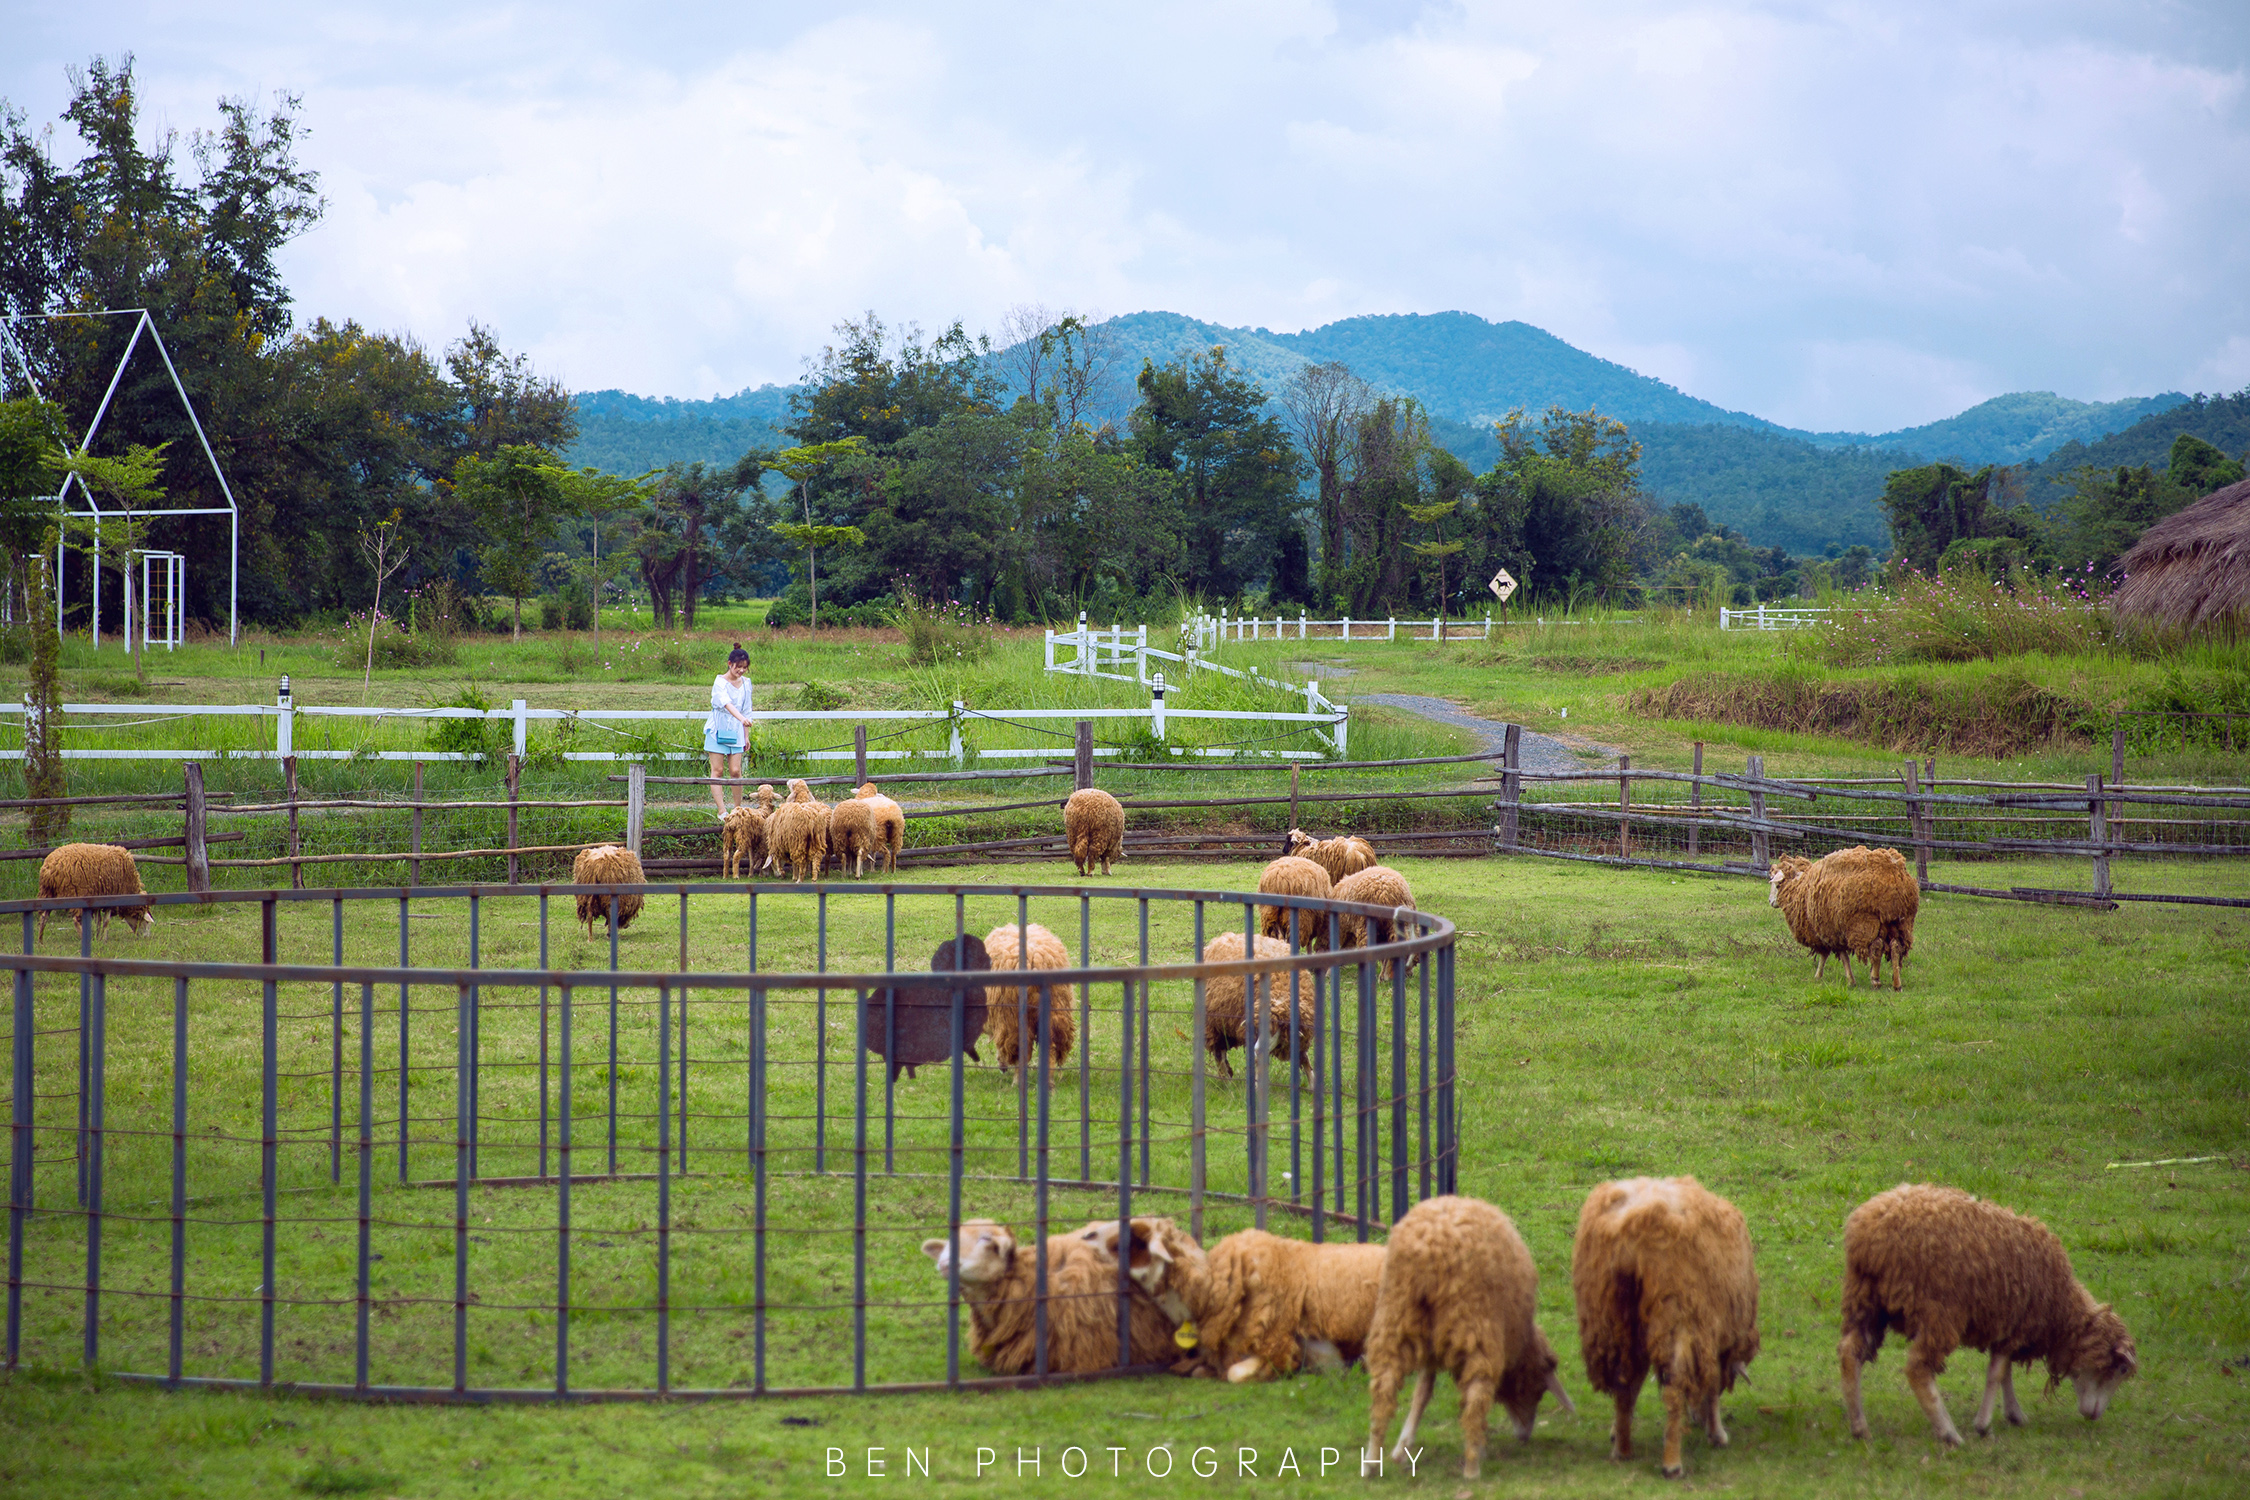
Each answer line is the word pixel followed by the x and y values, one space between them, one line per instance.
pixel 1675 1426
pixel 1382 1405
pixel 1855 1412
pixel 1424 1384
pixel 1922 1365
pixel 1714 1424
pixel 1476 1404
pixel 1999 1381
pixel 1621 1430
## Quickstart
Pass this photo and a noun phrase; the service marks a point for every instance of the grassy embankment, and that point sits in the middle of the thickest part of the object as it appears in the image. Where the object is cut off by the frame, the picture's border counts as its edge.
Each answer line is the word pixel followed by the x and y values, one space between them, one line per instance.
pixel 1612 1022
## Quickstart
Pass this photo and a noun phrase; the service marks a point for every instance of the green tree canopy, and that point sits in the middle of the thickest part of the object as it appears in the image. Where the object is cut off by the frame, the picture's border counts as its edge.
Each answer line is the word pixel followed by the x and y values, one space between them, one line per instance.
pixel 1237 472
pixel 1932 507
pixel 518 496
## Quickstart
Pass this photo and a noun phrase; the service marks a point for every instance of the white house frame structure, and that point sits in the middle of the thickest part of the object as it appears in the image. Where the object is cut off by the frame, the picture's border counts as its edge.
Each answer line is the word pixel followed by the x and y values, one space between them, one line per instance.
pixel 144 324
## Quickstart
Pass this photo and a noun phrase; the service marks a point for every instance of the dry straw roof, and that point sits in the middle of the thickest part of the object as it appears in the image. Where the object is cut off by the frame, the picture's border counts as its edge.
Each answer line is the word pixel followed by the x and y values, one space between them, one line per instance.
pixel 2192 568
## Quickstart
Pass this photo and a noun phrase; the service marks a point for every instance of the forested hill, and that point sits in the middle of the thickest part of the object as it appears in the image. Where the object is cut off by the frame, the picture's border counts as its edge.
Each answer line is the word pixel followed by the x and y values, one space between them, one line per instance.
pixel 626 434
pixel 2221 421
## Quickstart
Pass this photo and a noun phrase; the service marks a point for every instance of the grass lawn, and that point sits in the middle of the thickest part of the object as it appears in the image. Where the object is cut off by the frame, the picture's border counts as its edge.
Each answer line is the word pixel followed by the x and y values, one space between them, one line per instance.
pixel 1612 1022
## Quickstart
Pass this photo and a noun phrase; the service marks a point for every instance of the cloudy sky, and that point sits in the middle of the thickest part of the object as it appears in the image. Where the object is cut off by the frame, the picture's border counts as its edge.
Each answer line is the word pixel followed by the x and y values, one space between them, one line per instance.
pixel 1840 216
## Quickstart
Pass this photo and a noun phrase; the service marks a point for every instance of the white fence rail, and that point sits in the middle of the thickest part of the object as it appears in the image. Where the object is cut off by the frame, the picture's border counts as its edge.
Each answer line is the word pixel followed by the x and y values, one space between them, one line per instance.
pixel 1120 654
pixel 1208 631
pixel 1769 617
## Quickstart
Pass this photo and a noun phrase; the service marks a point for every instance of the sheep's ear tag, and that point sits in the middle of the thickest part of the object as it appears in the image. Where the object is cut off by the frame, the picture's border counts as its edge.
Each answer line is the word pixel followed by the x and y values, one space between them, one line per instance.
pixel 1185 1336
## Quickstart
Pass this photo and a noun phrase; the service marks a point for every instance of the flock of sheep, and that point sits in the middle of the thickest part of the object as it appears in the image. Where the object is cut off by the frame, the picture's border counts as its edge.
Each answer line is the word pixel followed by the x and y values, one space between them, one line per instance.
pixel 1661 1270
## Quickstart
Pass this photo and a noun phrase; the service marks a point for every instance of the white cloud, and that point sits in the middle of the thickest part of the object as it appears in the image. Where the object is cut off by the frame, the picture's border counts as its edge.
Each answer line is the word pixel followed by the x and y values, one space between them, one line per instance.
pixel 1837 216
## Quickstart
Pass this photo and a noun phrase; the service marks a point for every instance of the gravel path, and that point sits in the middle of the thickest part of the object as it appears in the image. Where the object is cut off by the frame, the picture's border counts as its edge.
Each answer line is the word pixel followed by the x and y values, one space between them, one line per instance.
pixel 1541 752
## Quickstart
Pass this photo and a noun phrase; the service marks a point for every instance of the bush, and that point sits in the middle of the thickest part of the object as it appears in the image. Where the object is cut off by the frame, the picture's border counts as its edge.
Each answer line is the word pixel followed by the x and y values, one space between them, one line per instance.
pixel 393 647
pixel 795 608
pixel 818 698
pixel 440 608
pixel 15 645
pixel 570 610
pixel 1960 617
pixel 484 741
pixel 940 630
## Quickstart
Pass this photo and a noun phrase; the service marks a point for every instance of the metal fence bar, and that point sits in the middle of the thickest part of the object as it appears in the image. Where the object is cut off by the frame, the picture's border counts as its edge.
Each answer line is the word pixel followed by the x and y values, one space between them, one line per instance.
pixel 174 1352
pixel 97 1126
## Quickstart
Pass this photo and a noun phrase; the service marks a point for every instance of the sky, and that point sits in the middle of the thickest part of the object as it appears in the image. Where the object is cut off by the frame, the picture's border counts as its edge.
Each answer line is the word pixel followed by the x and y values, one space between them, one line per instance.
pixel 1851 217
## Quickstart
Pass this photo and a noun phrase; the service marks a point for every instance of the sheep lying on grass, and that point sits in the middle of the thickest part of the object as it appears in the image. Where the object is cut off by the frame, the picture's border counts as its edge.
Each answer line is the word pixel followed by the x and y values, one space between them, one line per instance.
pixel 1339 857
pixel 999 1282
pixel 742 835
pixel 889 824
pixel 93 870
pixel 1664 1280
pixel 1001 1021
pixel 1292 876
pixel 797 832
pixel 1457 1295
pixel 1094 822
pixel 1260 1304
pixel 607 864
pixel 1226 1015
pixel 1854 901
pixel 1949 1270
pixel 920 1017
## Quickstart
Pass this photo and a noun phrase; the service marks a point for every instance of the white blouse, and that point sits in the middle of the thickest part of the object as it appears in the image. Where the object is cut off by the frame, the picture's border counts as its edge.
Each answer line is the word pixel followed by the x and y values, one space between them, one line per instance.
pixel 725 695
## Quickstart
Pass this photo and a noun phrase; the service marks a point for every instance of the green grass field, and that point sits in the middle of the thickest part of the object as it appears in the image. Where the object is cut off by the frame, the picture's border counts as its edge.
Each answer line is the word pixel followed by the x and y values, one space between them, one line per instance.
pixel 1612 1022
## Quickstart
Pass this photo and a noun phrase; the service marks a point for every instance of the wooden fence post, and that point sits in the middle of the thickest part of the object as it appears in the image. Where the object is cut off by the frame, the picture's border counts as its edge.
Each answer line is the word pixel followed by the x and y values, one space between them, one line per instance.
pixel 1695 801
pixel 1511 783
pixel 198 854
pixel 515 780
pixel 1760 846
pixel 1918 825
pixel 636 804
pixel 1625 804
pixel 414 836
pixel 2097 829
pixel 1082 757
pixel 859 757
pixel 289 779
pixel 2116 771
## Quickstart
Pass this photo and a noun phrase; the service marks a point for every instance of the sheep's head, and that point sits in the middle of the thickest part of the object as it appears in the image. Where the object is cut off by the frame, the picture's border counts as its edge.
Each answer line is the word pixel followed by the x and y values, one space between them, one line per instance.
pixel 1528 1380
pixel 1161 1259
pixel 2102 1358
pixel 867 789
pixel 1296 841
pixel 138 918
pixel 798 791
pixel 986 1250
pixel 1785 870
pixel 765 796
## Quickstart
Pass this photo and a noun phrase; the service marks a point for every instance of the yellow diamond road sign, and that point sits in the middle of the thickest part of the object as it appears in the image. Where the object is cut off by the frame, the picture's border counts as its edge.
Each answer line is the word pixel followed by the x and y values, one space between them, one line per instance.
pixel 1502 585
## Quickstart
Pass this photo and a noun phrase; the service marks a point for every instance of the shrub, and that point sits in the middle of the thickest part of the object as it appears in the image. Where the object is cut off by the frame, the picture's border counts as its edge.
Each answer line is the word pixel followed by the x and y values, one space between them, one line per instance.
pixel 676 658
pixel 440 608
pixel 484 741
pixel 939 629
pixel 1960 616
pixel 15 645
pixel 393 647
pixel 818 698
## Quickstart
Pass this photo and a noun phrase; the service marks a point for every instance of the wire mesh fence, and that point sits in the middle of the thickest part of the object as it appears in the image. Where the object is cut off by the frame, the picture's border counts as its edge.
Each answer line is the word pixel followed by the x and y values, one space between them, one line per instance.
pixel 451 1143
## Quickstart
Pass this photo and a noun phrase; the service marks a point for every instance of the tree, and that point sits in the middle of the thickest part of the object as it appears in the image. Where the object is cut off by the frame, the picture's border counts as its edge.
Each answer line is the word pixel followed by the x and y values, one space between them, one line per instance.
pixel 801 464
pixel 2199 467
pixel 1937 505
pixel 2106 511
pixel 1237 471
pixel 518 497
pixel 1062 363
pixel 43 775
pixel 1561 509
pixel 812 538
pixel 1325 403
pixel 386 554
pixel 862 386
pixel 127 484
pixel 597 497
pixel 32 440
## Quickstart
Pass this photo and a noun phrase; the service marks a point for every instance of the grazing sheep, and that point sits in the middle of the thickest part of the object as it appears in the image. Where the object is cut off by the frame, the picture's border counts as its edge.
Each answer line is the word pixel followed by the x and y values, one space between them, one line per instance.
pixel 1377 885
pixel 1457 1295
pixel 742 835
pixel 607 864
pixel 765 797
pixel 1260 1305
pixel 999 1282
pixel 1000 1021
pixel 1226 1007
pixel 1094 822
pixel 1339 856
pixel 1665 1281
pixel 1291 876
pixel 93 870
pixel 851 834
pixel 890 828
pixel 797 831
pixel 1949 1271
pixel 1856 900
pixel 921 1017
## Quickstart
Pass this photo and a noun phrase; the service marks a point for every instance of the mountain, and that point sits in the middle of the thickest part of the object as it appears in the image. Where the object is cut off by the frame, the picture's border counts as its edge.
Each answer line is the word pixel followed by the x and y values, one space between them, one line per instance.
pixel 2021 427
pixel 625 434
pixel 2221 421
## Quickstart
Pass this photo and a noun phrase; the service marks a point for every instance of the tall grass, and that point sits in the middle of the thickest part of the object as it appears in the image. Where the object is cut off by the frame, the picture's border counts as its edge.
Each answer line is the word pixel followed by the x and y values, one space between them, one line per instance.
pixel 1961 617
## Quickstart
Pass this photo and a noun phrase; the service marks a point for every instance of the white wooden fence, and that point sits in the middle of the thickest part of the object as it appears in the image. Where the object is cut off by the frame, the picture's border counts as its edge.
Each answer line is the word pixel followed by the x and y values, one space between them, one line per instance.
pixel 1772 617
pixel 1212 630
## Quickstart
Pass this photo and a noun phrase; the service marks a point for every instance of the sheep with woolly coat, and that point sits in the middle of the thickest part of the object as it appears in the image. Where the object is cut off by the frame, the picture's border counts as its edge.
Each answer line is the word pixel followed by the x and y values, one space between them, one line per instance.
pixel 999 1282
pixel 94 870
pixel 797 832
pixel 889 820
pixel 1952 1271
pixel 742 836
pixel 851 835
pixel 1001 1021
pixel 1377 885
pixel 1855 901
pixel 607 864
pixel 1226 1008
pixel 1293 876
pixel 1347 855
pixel 1260 1304
pixel 766 797
pixel 1664 1280
pixel 1458 1293
pixel 1094 823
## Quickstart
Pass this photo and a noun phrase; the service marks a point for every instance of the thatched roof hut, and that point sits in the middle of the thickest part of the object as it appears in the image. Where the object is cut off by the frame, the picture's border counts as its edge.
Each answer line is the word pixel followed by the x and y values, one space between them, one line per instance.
pixel 2192 568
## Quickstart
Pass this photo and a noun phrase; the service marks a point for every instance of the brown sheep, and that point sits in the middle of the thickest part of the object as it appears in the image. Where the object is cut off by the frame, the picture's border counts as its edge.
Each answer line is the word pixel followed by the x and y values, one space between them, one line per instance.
pixel 1001 1020
pixel 765 797
pixel 607 864
pixel 1291 876
pixel 1094 822
pixel 851 835
pixel 1377 885
pixel 1950 1271
pixel 1458 1292
pixel 890 828
pixel 94 870
pixel 999 1282
pixel 797 831
pixel 1260 1304
pixel 1855 901
pixel 1339 856
pixel 1225 1005
pixel 1664 1278
pixel 742 835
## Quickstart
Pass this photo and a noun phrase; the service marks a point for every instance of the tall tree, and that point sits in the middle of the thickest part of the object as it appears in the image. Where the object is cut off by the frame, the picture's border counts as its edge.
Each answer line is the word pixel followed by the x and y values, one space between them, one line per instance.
pixel 1237 470
pixel 518 496
pixel 1932 507
pixel 123 487
pixel 1325 403
pixel 1561 510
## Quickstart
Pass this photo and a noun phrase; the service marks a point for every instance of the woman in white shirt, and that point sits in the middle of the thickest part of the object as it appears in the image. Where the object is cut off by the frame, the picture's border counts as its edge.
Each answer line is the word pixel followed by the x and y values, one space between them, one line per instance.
pixel 728 728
